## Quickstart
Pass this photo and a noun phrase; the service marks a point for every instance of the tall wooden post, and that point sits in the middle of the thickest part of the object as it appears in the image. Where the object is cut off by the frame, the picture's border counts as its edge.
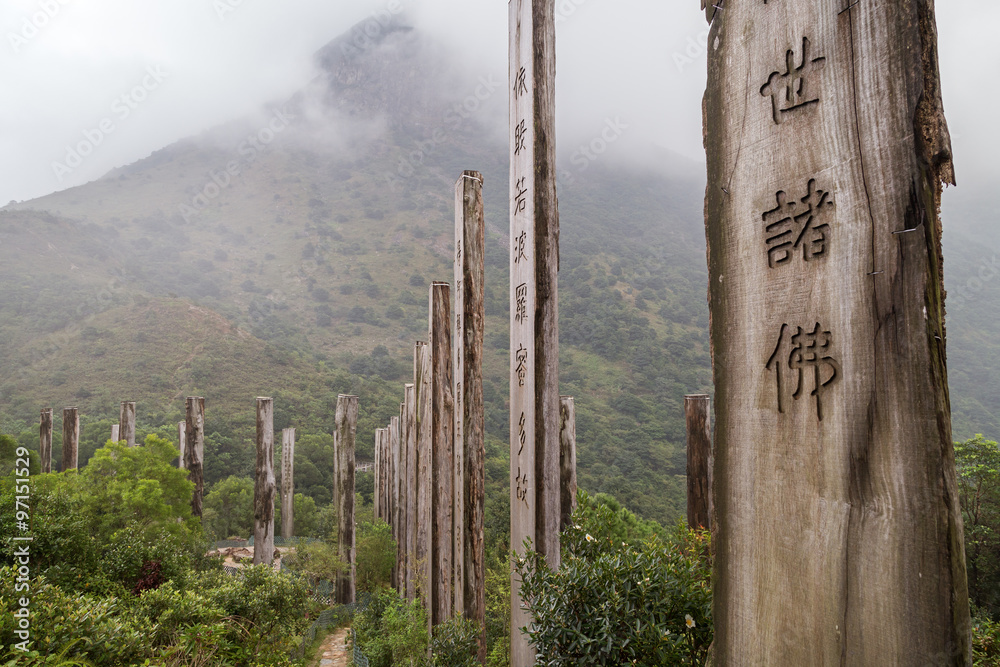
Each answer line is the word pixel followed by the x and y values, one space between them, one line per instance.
pixel 115 433
pixel 838 531
pixel 288 483
pixel 263 489
pixel 534 327
pixel 409 438
pixel 699 461
pixel 377 475
pixel 45 439
pixel 567 460
pixel 343 447
pixel 71 439
pixel 194 452
pixel 470 417
pixel 442 451
pixel 126 423
pixel 182 445
pixel 425 477
pixel 394 500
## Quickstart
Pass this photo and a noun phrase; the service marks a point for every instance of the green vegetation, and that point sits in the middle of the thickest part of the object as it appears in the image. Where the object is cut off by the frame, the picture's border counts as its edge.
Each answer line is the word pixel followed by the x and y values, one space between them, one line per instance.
pixel 978 462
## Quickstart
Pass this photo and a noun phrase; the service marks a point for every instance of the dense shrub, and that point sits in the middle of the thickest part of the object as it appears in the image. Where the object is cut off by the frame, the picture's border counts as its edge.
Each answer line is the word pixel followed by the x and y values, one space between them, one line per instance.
pixel 392 631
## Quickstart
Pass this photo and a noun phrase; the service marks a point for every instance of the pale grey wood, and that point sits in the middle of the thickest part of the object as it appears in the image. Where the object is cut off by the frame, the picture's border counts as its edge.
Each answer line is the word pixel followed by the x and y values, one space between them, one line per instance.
pixel 126 423
pixel 567 460
pixel 394 503
pixel 194 452
pixel 45 439
pixel 288 483
pixel 699 461
pixel 115 432
pixel 377 493
pixel 410 440
pixel 181 444
pixel 264 487
pixel 71 439
pixel 470 419
pixel 442 452
pixel 534 265
pixel 838 531
pixel 344 447
pixel 425 477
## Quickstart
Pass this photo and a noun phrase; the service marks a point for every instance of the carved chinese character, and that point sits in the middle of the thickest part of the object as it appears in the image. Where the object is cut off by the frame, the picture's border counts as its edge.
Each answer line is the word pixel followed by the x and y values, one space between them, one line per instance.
pixel 521 303
pixel 520 84
pixel 796 224
pixel 805 350
pixel 521 356
pixel 792 90
pixel 519 246
pixel 520 199
pixel 521 435
pixel 522 486
pixel 520 137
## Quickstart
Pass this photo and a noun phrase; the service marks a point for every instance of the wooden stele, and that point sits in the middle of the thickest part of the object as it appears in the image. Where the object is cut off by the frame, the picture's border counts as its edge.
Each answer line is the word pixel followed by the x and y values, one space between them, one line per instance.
pixel 470 417
pixel 838 530
pixel 534 327
pixel 343 493
pixel 699 461
pixel 425 477
pixel 45 439
pixel 394 497
pixel 71 439
pixel 377 493
pixel 126 423
pixel 115 431
pixel 264 487
pixel 194 449
pixel 182 444
pixel 409 437
pixel 567 460
pixel 288 483
pixel 442 452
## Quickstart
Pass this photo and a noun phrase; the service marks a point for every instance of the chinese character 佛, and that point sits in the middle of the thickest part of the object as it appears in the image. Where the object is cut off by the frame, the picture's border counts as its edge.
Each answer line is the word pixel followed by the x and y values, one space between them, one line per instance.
pixel 805 350
pixel 796 224
pixel 791 90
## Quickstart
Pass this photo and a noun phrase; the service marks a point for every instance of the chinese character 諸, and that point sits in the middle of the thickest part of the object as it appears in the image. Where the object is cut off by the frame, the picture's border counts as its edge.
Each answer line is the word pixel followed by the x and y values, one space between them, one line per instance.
pixel 522 368
pixel 792 90
pixel 805 350
pixel 521 303
pixel 520 199
pixel 797 224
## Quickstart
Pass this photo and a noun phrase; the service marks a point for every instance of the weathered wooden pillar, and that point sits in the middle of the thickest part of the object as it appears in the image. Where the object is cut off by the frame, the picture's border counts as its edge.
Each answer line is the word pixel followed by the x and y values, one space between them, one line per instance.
pixel 567 460
pixel 699 461
pixel 838 531
pixel 115 433
pixel 45 439
pixel 442 451
pixel 394 497
pixel 470 417
pixel 194 449
pixel 343 447
pixel 409 438
pixel 126 423
pixel 425 476
pixel 288 483
pixel 182 444
pixel 534 328
pixel 377 492
pixel 71 439
pixel 263 489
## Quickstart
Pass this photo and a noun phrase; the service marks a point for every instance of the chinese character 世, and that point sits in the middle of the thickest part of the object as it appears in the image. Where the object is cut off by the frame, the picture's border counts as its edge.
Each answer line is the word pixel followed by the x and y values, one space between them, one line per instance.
pixel 809 349
pixel 791 90
pixel 789 226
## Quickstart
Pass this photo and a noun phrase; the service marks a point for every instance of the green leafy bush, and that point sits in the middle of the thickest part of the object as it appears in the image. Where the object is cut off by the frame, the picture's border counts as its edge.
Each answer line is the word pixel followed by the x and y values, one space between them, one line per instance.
pixel 376 555
pixel 986 643
pixel 455 643
pixel 392 631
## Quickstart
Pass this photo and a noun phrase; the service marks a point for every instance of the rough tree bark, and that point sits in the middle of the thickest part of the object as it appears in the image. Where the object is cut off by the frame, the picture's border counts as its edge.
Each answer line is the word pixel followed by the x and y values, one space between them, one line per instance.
pixel 838 532
pixel 410 438
pixel 182 444
pixel 442 452
pixel 288 483
pixel 567 460
pixel 126 423
pixel 425 477
pixel 71 439
pixel 263 490
pixel 699 461
pixel 343 447
pixel 45 439
pixel 194 452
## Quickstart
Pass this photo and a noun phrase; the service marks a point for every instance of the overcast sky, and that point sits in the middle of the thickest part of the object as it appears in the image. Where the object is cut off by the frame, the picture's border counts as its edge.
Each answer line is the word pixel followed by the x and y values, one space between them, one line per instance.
pixel 157 71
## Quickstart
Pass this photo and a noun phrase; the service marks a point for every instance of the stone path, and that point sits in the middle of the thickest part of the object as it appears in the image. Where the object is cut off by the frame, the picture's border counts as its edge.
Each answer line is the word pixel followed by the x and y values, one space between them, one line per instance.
pixel 334 650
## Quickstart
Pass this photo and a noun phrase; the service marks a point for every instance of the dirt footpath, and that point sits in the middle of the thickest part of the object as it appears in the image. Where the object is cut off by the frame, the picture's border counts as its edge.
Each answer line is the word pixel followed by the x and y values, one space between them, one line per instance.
pixel 334 650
